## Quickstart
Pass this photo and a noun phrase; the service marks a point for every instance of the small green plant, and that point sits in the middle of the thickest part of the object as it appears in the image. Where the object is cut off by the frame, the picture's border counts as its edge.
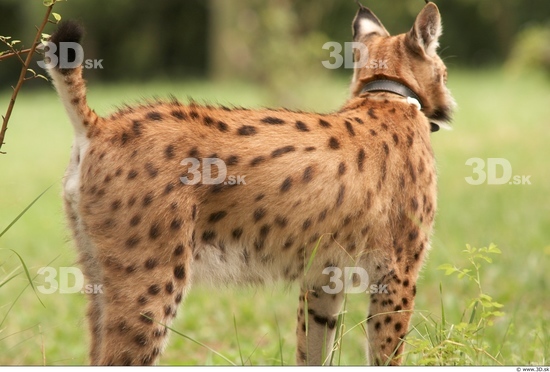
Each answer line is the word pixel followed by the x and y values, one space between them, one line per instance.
pixel 441 342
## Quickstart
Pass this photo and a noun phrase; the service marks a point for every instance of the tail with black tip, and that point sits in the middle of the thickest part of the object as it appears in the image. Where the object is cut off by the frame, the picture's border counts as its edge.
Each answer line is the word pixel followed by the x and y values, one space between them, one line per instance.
pixel 68 80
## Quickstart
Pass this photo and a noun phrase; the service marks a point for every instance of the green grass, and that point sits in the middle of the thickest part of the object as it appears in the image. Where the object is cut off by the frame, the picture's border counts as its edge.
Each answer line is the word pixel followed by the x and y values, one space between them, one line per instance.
pixel 499 117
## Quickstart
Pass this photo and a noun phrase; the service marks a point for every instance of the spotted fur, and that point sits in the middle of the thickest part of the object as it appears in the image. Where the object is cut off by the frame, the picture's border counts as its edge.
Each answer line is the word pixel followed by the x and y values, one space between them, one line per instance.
pixel 358 186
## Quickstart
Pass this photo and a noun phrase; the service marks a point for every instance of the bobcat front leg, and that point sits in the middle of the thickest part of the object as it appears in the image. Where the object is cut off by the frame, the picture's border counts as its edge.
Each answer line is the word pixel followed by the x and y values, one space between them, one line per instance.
pixel 317 317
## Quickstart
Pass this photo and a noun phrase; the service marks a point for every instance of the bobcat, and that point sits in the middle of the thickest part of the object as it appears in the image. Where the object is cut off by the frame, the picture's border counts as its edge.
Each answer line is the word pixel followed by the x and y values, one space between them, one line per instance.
pixel 354 188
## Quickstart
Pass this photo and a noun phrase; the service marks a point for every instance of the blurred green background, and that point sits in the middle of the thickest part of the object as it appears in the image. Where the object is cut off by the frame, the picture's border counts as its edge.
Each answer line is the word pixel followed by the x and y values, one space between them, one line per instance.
pixel 267 53
pixel 251 39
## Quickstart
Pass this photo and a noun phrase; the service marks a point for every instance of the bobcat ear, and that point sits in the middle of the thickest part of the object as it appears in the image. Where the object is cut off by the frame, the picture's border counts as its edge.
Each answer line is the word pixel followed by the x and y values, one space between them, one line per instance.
pixel 424 36
pixel 366 23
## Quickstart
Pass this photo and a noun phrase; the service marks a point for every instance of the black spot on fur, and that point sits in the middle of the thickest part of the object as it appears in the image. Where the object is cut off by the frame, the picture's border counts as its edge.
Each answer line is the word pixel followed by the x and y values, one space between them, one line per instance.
pixel 141 340
pixel 286 185
pixel 232 160
pixel 194 212
pixel 272 120
pixel 148 199
pixel 169 152
pixel 116 205
pixel 361 160
pixel 386 148
pixel 222 127
pixel 264 231
pixel 194 153
pixel 134 221
pixel 341 169
pixel 259 214
pixel 179 250
pixel 132 241
pixel 414 204
pixel 333 143
pixel 283 150
pixel 324 123
pixel 349 128
pixel 217 216
pixel 151 263
pixel 154 231
pixel 176 224
pixel 301 126
pixel 395 139
pixel 323 215
pixel 208 236
pixel 237 233
pixel 147 317
pixel 324 321
pixel 257 161
pixel 179 272
pixel 207 120
pixel 281 221
pixel 288 243
pixel 154 115
pixel 153 290
pixel 151 170
pixel 341 194
pixel 372 114
pixel 308 174
pixel 247 130
pixel 124 138
pixel 178 114
pixel 410 140
pixel 136 127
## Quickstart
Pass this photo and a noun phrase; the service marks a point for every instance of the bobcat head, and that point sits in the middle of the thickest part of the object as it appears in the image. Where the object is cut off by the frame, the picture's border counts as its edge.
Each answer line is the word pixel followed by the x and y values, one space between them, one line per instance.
pixel 410 59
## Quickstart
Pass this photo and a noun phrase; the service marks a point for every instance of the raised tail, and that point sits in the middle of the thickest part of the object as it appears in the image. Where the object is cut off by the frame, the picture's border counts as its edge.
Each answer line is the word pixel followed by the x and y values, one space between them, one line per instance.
pixel 68 82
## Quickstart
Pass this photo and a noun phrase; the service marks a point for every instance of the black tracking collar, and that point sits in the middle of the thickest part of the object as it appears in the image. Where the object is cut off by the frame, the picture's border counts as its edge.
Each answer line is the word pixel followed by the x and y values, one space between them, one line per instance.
pixel 397 88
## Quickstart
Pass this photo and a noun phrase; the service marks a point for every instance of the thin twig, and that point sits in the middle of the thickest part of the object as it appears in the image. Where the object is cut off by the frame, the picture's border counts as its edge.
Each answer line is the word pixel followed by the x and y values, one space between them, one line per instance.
pixel 15 53
pixel 21 80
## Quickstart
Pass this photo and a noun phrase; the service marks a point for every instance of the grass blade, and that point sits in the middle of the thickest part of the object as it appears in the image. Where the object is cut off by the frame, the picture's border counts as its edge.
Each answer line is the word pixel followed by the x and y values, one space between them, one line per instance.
pixel 193 340
pixel 21 293
pixel 280 340
pixel 24 211
pixel 28 277
pixel 312 256
pixel 238 342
